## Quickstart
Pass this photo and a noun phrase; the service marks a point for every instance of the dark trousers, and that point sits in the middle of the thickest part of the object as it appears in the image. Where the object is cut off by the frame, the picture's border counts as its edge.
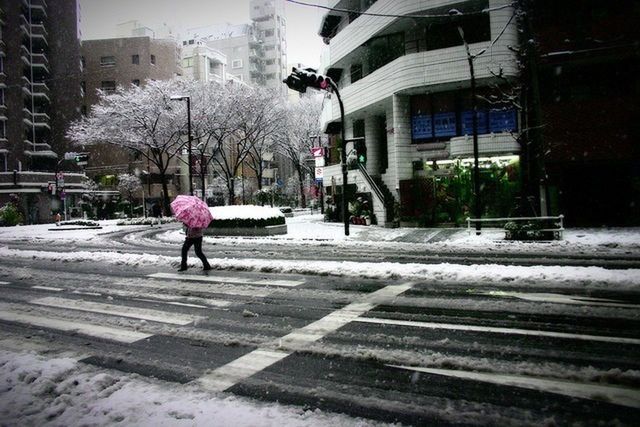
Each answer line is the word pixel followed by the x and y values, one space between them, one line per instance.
pixel 196 242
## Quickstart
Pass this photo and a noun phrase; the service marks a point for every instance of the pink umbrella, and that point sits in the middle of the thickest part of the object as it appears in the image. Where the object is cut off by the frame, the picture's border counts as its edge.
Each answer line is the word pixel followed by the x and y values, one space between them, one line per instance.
pixel 191 211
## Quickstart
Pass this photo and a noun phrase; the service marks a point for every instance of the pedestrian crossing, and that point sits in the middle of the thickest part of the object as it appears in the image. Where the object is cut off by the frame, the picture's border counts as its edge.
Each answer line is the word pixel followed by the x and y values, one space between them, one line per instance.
pixel 162 309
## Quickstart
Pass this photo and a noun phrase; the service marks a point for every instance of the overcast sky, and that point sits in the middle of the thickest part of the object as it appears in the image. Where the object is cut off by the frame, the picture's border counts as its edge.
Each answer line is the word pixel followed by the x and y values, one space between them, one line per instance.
pixel 100 17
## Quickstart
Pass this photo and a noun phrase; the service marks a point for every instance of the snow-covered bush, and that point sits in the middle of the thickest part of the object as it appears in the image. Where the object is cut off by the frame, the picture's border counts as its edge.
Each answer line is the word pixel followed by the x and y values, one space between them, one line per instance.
pixel 245 216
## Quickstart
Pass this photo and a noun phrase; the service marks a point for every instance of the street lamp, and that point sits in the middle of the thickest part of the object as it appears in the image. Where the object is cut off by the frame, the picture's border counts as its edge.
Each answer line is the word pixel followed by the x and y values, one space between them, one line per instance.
pixel 188 99
pixel 474 122
pixel 203 167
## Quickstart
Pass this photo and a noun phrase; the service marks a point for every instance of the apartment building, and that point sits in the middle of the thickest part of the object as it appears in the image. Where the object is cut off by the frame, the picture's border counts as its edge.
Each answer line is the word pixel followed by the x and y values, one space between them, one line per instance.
pixel 125 61
pixel 39 97
pixel 257 52
pixel 406 88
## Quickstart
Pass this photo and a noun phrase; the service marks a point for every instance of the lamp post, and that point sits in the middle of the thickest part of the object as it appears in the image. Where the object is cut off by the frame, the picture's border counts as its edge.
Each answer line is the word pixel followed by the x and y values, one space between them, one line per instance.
pixel 203 169
pixel 477 207
pixel 188 99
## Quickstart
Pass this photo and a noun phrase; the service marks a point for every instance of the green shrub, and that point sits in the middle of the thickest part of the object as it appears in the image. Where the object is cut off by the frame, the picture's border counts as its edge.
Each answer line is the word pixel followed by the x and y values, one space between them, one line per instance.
pixel 10 215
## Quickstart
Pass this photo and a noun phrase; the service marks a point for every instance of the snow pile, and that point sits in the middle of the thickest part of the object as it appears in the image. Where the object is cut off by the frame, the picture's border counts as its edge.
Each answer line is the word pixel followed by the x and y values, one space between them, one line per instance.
pixel 35 391
pixel 245 212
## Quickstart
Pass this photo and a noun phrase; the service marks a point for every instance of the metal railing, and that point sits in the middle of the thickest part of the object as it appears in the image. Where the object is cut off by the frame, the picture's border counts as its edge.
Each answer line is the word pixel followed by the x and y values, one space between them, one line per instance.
pixel 558 221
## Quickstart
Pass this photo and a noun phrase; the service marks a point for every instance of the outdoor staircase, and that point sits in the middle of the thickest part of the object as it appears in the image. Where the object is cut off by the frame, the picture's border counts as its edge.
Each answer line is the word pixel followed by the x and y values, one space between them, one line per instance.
pixel 383 199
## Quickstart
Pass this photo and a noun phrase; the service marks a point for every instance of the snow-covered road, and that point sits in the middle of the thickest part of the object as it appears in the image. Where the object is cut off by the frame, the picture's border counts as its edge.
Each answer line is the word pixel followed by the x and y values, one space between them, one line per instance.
pixel 88 323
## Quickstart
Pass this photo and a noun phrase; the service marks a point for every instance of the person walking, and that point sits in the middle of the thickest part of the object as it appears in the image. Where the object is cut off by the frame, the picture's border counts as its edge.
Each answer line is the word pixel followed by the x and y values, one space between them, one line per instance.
pixel 193 238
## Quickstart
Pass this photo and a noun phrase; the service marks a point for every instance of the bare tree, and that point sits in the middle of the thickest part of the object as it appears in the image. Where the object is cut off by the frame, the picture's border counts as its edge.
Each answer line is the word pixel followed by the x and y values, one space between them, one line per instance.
pixel 302 123
pixel 141 119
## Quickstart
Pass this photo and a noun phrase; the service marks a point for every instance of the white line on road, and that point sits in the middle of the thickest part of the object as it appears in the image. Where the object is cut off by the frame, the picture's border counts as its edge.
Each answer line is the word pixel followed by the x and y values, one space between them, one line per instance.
pixel 233 372
pixel 562 299
pixel 116 310
pixel 617 395
pixel 47 288
pixel 494 330
pixel 106 332
pixel 238 370
pixel 215 303
pixel 227 279
pixel 93 294
pixel 3 283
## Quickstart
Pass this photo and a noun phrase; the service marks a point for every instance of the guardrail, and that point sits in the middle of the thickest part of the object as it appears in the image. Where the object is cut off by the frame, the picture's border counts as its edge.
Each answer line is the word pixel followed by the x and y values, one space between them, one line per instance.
pixel 557 221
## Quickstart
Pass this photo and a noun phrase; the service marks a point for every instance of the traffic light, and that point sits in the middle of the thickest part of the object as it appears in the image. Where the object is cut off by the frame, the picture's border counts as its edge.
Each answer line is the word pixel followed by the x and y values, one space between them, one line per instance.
pixel 300 79
pixel 361 151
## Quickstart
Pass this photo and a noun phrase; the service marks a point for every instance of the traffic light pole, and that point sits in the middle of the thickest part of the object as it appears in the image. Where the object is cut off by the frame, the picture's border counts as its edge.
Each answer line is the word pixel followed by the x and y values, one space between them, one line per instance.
pixel 345 217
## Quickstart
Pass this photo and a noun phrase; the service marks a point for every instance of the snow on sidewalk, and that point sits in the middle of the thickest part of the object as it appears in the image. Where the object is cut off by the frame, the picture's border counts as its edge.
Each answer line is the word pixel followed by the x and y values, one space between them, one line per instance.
pixel 36 390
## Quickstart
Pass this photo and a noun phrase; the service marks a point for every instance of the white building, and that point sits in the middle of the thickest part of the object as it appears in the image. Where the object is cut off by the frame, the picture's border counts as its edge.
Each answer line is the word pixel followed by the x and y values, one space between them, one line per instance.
pixel 405 87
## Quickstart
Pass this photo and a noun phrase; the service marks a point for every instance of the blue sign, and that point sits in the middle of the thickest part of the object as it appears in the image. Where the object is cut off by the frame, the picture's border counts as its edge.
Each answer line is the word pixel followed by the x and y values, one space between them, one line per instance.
pixel 421 127
pixel 444 124
pixel 467 122
pixel 503 120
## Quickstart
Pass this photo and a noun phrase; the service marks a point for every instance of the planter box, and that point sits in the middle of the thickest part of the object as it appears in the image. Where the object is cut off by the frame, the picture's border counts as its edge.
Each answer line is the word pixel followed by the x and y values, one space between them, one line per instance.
pixel 270 230
pixel 532 235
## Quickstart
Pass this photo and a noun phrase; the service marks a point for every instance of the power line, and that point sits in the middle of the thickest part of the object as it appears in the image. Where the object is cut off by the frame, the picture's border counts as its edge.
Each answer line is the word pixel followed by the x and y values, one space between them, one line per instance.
pixel 391 15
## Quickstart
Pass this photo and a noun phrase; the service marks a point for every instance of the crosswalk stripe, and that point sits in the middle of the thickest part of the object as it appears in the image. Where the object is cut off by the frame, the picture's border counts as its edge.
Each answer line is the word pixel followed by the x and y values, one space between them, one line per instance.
pixel 216 288
pixel 220 279
pixel 617 395
pixel 47 288
pixel 490 329
pixel 106 332
pixel 233 372
pixel 117 310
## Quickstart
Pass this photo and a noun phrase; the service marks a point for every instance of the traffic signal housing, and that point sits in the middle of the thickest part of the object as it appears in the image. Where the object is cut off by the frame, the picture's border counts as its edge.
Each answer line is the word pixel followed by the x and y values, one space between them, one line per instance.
pixel 81 159
pixel 300 79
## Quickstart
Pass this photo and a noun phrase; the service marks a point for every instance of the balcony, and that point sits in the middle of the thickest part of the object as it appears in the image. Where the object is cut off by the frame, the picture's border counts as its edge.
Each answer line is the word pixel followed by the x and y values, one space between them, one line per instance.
pixel 38 146
pixel 36 120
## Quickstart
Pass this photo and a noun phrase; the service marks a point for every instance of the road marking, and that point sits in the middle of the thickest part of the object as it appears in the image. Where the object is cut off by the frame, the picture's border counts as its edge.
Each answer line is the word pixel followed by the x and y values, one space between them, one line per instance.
pixel 561 299
pixel 617 395
pixel 251 363
pixel 216 288
pixel 106 332
pixel 3 283
pixel 92 294
pixel 235 280
pixel 494 330
pixel 211 302
pixel 47 288
pixel 117 310
pixel 238 370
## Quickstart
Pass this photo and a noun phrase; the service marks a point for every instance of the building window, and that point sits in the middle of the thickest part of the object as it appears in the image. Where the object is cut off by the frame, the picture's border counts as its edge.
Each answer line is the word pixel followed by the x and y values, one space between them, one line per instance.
pixel 3 130
pixel 270 61
pixel 83 110
pixel 2 96
pixel 1 64
pixel 135 59
pixel 386 49
pixel 270 47
pixel 187 62
pixel 192 41
pixel 108 86
pixel 439 117
pixel 268 33
pixel 153 60
pixel 135 82
pixel 236 63
pixel 107 61
pixel 356 72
